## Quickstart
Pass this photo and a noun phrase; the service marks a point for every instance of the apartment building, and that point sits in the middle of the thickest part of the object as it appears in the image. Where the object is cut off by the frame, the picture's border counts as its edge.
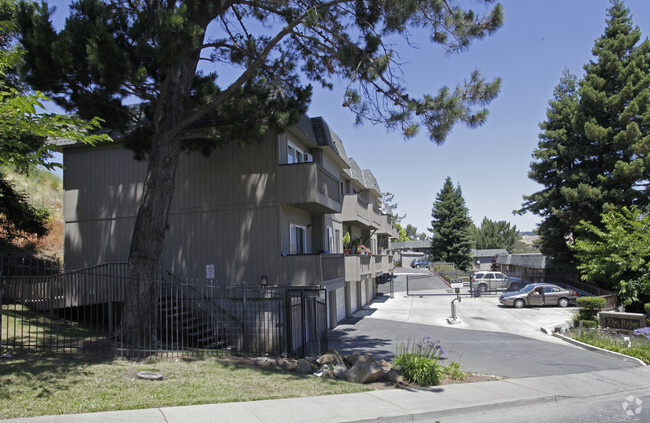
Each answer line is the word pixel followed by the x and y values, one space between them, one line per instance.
pixel 272 213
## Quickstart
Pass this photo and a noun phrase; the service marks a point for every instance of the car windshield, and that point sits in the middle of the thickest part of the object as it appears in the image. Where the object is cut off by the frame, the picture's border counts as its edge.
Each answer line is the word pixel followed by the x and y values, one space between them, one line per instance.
pixel 527 288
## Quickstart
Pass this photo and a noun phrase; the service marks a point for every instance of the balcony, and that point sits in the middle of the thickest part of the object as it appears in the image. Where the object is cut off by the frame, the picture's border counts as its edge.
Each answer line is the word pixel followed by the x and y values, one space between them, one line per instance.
pixel 386 227
pixel 311 269
pixel 357 211
pixel 381 264
pixel 309 187
pixel 358 267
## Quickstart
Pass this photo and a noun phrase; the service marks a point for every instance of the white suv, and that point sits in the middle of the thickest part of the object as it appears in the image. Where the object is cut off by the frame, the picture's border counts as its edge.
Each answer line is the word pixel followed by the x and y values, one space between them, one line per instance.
pixel 489 280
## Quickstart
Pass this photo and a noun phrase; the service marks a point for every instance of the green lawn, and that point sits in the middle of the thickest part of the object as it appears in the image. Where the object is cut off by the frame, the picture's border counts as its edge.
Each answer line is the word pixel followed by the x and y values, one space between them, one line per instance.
pixel 638 347
pixel 40 384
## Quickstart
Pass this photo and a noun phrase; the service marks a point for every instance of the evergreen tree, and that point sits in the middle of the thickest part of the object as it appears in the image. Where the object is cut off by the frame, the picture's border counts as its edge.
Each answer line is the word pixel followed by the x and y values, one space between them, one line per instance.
pixel 113 51
pixel 26 136
pixel 450 227
pixel 494 235
pixel 593 151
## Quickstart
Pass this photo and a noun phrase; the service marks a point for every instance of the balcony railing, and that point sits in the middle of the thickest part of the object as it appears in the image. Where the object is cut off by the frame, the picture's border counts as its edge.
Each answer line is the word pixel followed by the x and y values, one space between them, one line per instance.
pixel 311 269
pixel 310 187
pixel 357 210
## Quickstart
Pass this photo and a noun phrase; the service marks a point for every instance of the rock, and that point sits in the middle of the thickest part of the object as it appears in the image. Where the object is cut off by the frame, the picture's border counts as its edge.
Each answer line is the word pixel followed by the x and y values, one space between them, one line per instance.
pixel 384 363
pixel 358 358
pixel 327 373
pixel 393 376
pixel 340 370
pixel 331 357
pixel 304 367
pixel 365 373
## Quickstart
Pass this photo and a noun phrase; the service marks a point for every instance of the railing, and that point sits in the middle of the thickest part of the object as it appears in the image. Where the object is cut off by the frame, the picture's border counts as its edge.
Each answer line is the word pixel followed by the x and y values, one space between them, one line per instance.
pixel 376 216
pixel 328 185
pixel 311 269
pixel 355 209
pixel 309 185
pixel 192 316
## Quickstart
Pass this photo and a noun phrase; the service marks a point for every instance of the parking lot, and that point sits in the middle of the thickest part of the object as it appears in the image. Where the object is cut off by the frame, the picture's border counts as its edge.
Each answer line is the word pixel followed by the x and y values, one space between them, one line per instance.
pixel 489 338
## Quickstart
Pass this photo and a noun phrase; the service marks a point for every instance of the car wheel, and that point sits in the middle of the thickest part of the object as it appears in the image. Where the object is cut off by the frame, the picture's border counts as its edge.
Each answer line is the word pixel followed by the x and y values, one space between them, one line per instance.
pixel 519 304
pixel 563 302
pixel 483 288
pixel 417 266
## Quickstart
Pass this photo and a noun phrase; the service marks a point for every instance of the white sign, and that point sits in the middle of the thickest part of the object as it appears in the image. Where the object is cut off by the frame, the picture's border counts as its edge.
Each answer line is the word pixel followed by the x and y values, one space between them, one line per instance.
pixel 457 285
pixel 209 271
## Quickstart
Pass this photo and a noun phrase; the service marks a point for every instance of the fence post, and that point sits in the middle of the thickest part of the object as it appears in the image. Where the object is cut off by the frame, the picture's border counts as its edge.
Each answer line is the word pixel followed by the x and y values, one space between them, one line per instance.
pixel 245 317
pixel 303 319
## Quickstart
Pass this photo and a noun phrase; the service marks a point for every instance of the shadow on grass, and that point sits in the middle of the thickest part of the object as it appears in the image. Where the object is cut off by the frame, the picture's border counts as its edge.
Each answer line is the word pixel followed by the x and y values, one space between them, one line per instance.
pixel 44 371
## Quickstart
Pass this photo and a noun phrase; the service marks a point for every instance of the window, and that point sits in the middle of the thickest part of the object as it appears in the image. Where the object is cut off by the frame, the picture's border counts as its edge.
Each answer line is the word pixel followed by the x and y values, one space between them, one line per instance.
pixel 297 155
pixel 330 240
pixel 298 239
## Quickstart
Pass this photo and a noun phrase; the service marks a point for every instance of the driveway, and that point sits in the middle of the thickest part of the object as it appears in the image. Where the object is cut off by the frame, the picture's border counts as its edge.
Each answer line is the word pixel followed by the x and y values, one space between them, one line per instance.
pixel 489 339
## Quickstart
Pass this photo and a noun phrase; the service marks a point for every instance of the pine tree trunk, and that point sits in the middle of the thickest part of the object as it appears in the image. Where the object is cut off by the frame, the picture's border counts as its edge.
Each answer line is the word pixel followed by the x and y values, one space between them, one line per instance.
pixel 138 326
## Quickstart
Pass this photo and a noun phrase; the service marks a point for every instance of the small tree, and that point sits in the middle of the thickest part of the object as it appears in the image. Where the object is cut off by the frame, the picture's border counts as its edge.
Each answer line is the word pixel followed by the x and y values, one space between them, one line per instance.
pixel 617 256
pixel 450 227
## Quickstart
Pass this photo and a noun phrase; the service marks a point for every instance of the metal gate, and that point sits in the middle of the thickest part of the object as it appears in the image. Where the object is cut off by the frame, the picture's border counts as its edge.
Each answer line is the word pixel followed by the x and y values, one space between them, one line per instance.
pixel 429 284
pixel 306 322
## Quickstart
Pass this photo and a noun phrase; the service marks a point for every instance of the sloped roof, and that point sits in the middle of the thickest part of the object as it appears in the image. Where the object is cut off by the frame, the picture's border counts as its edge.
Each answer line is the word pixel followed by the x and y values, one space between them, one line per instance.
pixel 530 261
pixel 410 244
pixel 489 253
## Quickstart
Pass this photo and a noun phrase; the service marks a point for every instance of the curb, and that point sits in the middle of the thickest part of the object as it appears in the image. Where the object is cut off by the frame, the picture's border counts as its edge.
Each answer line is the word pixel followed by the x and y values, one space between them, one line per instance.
pixel 599 350
pixel 430 415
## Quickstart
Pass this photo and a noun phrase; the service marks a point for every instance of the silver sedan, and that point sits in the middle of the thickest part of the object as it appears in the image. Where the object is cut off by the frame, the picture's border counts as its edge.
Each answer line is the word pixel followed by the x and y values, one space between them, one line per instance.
pixel 539 294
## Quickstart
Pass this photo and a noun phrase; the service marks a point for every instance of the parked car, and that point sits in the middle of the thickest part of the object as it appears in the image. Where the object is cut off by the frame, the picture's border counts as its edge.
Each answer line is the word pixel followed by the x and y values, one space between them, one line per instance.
pixel 485 280
pixel 539 294
pixel 419 262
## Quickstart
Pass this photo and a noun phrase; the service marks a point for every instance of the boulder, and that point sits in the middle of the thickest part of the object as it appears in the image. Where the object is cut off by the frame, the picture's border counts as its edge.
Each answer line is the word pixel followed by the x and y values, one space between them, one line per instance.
pixel 393 376
pixel 304 367
pixel 340 370
pixel 359 358
pixel 331 357
pixel 365 373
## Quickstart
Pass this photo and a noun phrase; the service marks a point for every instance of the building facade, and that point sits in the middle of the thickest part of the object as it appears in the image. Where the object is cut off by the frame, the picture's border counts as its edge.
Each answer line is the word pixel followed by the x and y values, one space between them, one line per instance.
pixel 270 213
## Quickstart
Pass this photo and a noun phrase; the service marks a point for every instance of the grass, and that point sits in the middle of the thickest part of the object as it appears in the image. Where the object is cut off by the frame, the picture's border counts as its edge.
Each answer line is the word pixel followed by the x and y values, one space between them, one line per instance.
pixel 638 347
pixel 36 384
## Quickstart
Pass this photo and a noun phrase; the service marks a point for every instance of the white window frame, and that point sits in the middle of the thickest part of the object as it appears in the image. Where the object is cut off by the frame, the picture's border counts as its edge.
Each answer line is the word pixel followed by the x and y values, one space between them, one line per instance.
pixel 330 240
pixel 300 154
pixel 293 241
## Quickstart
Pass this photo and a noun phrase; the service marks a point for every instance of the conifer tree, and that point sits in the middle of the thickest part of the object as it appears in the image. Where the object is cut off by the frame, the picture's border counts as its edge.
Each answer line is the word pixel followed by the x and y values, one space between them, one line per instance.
pixel 262 55
pixel 494 235
pixel 593 151
pixel 450 227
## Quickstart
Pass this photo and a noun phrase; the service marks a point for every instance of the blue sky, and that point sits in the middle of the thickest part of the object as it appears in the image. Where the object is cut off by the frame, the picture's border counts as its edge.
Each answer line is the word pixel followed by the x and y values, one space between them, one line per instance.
pixel 539 40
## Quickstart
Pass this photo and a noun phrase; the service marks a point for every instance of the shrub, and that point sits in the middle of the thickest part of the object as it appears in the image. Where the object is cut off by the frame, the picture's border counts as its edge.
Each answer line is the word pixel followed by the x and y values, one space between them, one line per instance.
pixel 419 361
pixel 589 308
pixel 398 264
pixel 646 307
pixel 591 303
pixel 454 371
pixel 420 370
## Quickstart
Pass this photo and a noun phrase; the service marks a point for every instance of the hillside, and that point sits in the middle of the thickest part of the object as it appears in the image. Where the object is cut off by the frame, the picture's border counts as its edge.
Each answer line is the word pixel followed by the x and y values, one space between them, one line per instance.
pixel 45 190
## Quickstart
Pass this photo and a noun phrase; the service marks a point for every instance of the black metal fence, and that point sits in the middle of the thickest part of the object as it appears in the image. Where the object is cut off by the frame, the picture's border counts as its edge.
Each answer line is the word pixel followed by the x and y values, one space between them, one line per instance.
pixel 82 311
pixel 18 265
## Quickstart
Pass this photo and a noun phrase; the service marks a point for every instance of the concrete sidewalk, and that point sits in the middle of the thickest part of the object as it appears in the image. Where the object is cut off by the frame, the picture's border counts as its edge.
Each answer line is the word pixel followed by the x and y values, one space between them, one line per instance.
pixel 394 405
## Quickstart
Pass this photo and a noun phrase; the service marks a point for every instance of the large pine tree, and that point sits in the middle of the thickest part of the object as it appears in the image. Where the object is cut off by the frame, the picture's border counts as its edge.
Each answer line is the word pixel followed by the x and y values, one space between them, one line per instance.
pixel 262 55
pixel 450 227
pixel 593 149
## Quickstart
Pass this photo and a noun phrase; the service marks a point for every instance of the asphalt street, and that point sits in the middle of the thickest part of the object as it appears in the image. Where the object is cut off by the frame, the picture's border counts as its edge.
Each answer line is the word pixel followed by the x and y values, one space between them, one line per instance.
pixel 490 339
